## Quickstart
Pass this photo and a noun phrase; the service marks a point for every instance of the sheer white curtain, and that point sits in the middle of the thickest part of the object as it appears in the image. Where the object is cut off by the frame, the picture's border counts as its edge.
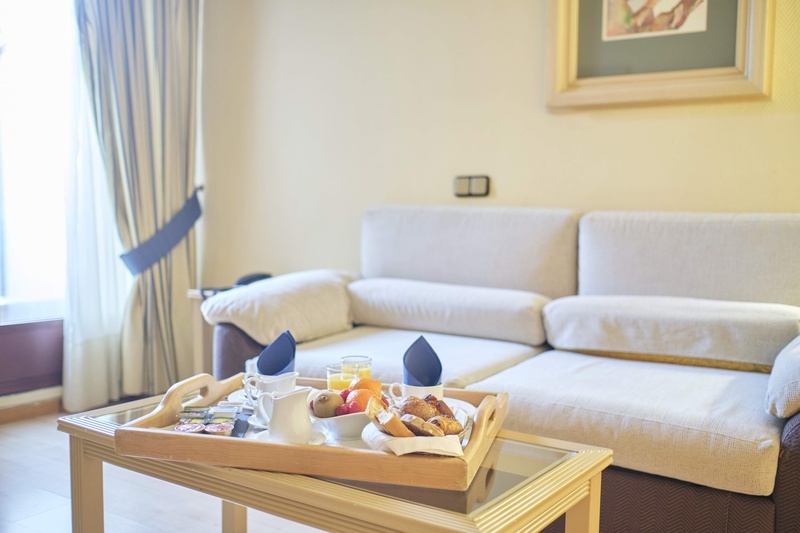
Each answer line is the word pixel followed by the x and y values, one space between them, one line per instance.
pixel 97 281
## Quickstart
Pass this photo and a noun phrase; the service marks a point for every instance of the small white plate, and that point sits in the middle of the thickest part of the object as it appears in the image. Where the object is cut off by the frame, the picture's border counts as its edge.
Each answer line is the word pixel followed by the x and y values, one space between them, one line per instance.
pixel 238 396
pixel 317 438
pixel 257 423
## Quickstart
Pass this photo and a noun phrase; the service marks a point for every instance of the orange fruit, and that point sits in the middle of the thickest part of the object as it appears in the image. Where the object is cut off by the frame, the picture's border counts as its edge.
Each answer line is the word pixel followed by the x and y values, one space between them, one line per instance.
pixel 361 398
pixel 366 383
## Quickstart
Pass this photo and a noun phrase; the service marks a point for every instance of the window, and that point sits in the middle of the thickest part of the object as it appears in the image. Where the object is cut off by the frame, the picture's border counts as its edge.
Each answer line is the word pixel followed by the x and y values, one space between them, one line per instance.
pixel 37 150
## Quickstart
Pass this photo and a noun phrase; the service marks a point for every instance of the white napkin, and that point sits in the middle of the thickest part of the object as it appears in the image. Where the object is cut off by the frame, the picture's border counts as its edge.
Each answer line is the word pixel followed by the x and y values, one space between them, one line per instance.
pixel 378 440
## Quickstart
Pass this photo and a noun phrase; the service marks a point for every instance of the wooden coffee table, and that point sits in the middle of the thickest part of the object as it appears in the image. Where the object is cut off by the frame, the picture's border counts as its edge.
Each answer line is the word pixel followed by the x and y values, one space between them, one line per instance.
pixel 524 484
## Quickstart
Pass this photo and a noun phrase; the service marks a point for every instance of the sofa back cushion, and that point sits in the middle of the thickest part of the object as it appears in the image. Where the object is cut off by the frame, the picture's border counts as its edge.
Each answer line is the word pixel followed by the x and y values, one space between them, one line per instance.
pixel 527 249
pixel 735 335
pixel 743 257
pixel 502 314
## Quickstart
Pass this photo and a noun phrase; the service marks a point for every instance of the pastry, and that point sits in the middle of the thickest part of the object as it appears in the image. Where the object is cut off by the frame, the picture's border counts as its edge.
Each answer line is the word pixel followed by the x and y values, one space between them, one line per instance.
pixel 413 405
pixel 420 427
pixel 449 425
pixel 385 420
pixel 441 407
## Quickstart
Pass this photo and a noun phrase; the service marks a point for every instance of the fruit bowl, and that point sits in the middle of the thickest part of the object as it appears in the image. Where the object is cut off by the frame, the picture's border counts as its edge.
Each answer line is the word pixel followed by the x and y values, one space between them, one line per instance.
pixel 343 427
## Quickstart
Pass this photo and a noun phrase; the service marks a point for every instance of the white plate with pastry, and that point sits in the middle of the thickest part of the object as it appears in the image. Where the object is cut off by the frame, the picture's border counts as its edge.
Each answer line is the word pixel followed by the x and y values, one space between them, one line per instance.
pixel 454 404
pixel 414 426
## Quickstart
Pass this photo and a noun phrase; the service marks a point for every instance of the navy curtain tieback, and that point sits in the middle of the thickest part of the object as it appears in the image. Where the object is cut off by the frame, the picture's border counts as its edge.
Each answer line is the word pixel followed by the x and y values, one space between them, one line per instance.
pixel 153 249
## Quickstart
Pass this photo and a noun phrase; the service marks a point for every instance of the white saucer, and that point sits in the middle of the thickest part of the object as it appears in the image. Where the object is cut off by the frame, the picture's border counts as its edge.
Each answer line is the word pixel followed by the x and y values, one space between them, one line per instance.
pixel 238 396
pixel 257 423
pixel 317 438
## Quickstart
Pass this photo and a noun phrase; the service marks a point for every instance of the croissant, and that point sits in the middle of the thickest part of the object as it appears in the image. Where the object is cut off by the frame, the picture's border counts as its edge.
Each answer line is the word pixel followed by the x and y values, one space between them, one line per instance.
pixel 450 426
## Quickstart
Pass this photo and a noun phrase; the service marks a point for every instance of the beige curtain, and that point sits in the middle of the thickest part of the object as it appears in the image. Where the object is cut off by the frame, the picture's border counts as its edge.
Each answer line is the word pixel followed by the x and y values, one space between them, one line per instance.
pixel 140 59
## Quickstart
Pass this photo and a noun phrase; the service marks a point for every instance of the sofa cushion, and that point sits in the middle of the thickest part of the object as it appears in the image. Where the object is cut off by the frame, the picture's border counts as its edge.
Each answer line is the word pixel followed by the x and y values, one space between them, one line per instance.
pixel 527 249
pixel 310 304
pixel 783 389
pixel 695 424
pixel 743 257
pixel 740 335
pixel 464 359
pixel 502 314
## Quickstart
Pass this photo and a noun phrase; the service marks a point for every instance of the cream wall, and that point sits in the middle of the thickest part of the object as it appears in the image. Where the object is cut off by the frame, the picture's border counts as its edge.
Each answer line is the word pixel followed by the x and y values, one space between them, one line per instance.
pixel 315 110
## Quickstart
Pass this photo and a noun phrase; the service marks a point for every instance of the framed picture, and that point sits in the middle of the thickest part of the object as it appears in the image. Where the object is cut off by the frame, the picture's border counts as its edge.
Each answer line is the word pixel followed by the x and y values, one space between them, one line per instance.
pixel 623 52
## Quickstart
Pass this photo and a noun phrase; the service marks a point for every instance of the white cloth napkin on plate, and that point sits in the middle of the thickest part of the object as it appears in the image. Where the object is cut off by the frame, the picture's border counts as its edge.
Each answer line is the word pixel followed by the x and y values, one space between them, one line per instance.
pixel 378 440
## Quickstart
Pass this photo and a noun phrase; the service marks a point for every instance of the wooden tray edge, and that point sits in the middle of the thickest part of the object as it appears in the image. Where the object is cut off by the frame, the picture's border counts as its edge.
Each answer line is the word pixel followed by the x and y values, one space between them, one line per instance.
pixel 145 437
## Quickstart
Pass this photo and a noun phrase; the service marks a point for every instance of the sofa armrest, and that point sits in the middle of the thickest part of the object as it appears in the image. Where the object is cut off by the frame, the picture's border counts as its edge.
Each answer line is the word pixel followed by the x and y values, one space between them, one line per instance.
pixel 310 304
pixel 787 483
pixel 232 347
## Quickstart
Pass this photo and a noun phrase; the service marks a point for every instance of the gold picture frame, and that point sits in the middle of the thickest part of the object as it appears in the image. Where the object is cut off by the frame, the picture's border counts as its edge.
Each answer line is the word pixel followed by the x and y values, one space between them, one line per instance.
pixel 750 77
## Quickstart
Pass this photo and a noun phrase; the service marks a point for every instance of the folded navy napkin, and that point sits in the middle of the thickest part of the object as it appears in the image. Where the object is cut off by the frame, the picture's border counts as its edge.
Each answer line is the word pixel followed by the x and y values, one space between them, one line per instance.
pixel 278 357
pixel 421 365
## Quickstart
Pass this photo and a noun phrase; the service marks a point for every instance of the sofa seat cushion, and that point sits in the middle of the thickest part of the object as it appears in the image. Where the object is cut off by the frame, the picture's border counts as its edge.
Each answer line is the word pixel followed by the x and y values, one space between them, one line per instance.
pixel 502 314
pixel 695 424
pixel 465 360
pixel 311 304
pixel 737 335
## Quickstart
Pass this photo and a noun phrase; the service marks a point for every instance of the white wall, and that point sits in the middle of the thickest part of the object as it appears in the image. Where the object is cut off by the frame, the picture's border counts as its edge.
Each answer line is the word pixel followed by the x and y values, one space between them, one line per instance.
pixel 315 110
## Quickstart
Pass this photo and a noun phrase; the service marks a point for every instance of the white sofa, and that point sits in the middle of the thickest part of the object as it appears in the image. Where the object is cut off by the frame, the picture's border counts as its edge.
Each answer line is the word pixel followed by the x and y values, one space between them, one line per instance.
pixel 653 334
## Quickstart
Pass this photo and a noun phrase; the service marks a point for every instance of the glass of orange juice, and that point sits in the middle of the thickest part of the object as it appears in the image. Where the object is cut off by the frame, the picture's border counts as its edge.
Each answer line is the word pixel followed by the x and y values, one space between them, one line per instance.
pixel 340 376
pixel 360 364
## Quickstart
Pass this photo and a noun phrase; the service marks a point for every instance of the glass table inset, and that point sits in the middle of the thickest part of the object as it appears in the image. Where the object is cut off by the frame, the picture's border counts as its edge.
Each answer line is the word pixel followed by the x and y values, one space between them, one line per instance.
pixel 508 465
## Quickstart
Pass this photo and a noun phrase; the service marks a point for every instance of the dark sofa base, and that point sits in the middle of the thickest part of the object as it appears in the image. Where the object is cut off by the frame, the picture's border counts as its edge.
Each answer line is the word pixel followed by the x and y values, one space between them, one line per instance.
pixel 237 347
pixel 632 501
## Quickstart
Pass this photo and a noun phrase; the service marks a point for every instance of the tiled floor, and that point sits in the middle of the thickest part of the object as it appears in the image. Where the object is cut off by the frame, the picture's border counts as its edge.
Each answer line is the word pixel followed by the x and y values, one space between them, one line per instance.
pixel 35 485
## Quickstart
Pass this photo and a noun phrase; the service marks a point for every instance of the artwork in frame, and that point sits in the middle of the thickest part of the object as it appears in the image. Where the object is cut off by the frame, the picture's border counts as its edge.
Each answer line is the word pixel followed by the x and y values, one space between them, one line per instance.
pixel 624 52
pixel 640 19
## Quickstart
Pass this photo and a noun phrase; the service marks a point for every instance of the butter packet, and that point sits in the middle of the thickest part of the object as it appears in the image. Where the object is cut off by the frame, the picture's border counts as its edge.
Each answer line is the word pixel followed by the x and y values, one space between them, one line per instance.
pixel 224 411
pixel 228 402
pixel 191 413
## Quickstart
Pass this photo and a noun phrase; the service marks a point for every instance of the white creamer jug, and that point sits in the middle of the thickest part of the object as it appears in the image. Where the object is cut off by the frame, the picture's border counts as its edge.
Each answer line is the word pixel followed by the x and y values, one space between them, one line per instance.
pixel 288 416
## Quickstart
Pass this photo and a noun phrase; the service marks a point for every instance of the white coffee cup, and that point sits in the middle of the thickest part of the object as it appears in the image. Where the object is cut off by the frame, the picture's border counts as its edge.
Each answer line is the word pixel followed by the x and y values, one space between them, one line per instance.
pixel 255 384
pixel 398 391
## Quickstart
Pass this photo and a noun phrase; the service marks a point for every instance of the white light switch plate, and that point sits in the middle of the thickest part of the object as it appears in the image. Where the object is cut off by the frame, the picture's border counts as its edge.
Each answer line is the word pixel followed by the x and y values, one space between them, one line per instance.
pixel 461 186
pixel 478 185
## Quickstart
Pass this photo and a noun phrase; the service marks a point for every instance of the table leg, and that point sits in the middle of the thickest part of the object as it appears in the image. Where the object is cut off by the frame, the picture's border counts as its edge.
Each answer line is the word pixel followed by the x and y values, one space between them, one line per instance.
pixel 234 517
pixel 86 478
pixel 585 516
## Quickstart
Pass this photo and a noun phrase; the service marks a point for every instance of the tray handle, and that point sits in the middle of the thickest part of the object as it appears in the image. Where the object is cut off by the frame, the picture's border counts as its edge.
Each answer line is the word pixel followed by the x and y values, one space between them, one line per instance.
pixel 209 390
pixel 490 414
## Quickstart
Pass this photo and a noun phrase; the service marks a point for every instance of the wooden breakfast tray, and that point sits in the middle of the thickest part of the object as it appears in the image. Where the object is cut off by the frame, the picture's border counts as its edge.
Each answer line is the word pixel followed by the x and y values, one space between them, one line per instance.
pixel 152 436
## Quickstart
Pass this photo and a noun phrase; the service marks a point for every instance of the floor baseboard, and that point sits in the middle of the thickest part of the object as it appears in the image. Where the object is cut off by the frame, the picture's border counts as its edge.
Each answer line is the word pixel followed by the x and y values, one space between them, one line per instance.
pixel 24 405
pixel 30 410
